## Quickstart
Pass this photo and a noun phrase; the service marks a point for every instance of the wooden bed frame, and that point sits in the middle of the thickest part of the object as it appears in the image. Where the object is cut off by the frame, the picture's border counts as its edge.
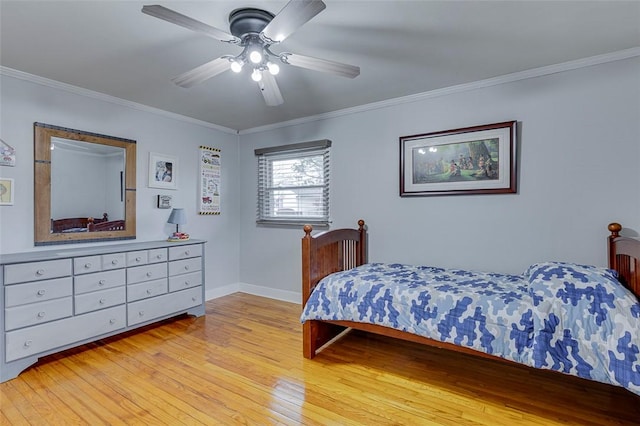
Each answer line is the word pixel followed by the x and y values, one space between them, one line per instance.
pixel 114 225
pixel 59 225
pixel 343 249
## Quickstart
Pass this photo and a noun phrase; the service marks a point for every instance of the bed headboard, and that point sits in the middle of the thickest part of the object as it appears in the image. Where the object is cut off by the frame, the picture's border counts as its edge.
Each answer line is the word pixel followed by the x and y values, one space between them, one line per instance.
pixel 624 257
pixel 329 252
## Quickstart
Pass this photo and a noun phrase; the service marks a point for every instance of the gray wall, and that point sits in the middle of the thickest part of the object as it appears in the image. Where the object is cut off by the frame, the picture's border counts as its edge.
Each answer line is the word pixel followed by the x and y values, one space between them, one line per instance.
pixel 579 149
pixel 25 102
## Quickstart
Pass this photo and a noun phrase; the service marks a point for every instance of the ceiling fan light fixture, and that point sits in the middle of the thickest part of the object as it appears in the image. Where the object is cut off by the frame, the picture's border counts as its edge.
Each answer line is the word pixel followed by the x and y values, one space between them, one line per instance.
pixel 236 65
pixel 274 69
pixel 256 75
pixel 255 54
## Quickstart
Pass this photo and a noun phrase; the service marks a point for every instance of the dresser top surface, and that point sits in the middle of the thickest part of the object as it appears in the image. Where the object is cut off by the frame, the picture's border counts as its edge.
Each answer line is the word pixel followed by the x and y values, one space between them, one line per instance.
pixel 65 253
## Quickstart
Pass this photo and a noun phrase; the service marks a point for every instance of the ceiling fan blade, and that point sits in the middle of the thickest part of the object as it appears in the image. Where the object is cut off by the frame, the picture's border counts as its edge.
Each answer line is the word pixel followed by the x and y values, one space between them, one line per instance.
pixel 292 16
pixel 202 73
pixel 322 65
pixel 169 15
pixel 270 91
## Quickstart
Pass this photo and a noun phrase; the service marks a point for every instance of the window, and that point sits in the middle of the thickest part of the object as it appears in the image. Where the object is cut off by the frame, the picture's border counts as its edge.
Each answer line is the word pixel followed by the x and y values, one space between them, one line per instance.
pixel 293 183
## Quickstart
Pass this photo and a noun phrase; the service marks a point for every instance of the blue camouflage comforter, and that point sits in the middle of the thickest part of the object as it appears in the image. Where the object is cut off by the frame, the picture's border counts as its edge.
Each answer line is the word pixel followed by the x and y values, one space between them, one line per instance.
pixel 571 318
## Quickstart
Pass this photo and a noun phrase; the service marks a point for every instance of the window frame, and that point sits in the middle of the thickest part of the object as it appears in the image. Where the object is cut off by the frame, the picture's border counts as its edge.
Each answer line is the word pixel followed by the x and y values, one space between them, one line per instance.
pixel 266 156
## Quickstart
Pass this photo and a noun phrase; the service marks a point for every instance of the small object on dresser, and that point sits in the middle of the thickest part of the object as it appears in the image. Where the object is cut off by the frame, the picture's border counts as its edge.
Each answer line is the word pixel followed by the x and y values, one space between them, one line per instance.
pixel 178 236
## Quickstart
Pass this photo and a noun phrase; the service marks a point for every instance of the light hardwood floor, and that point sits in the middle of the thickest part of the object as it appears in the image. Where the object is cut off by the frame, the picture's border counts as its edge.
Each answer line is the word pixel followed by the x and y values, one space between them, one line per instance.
pixel 242 364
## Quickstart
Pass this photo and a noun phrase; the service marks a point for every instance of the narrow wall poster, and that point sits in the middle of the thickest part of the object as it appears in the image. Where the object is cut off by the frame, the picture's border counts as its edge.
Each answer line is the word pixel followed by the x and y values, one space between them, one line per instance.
pixel 209 181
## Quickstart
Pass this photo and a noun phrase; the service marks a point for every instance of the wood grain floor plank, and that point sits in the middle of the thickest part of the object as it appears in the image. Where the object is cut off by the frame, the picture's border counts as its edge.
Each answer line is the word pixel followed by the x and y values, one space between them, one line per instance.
pixel 88 409
pixel 242 364
pixel 11 405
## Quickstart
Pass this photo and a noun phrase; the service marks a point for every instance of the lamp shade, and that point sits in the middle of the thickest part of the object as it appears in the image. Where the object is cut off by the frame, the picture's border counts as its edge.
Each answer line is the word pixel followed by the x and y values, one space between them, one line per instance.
pixel 177 217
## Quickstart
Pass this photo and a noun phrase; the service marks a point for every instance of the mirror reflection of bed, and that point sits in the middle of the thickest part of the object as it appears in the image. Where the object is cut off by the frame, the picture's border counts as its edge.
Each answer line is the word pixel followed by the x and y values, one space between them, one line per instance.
pixel 86 224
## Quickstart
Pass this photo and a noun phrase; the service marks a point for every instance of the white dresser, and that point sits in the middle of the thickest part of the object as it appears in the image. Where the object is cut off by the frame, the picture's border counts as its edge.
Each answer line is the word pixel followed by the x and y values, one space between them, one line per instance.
pixel 58 299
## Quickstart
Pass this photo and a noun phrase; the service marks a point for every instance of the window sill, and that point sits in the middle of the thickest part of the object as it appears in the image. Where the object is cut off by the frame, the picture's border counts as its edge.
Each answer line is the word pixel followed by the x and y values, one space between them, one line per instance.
pixel 293 222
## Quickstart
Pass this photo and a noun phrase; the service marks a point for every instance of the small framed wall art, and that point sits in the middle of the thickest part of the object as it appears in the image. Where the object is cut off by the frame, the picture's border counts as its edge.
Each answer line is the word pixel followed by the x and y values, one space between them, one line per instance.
pixel 7 154
pixel 6 191
pixel 164 201
pixel 163 171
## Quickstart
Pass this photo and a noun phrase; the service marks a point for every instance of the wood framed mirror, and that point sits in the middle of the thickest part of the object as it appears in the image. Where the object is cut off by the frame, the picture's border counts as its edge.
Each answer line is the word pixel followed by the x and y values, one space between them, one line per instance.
pixel 84 186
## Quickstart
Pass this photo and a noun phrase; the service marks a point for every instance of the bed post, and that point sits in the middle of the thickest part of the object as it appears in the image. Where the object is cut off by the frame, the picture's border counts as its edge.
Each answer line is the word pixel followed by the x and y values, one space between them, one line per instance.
pixel 307 242
pixel 361 255
pixel 615 229
pixel 308 338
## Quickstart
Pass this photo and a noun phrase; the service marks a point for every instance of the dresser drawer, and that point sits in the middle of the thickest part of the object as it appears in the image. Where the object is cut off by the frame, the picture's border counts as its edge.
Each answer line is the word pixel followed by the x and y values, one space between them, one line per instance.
pixel 146 289
pixel 167 304
pixel 38 291
pixel 180 282
pixel 183 252
pixel 32 340
pixel 37 313
pixel 23 272
pixel 136 258
pixel 158 255
pixel 99 281
pixel 146 273
pixel 113 261
pixel 85 265
pixel 185 266
pixel 100 299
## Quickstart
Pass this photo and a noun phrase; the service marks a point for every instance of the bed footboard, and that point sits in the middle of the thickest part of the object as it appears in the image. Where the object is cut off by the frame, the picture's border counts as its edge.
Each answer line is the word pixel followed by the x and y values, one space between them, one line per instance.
pixel 324 254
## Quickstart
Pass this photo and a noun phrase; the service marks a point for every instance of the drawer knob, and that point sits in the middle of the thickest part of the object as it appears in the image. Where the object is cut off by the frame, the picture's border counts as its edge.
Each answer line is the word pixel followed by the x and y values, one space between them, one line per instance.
pixel 186 252
pixel 41 292
pixel 27 343
pixel 112 321
pixel 114 262
pixel 102 282
pixel 148 291
pixel 141 313
pixel 40 272
pixel 87 265
pixel 194 298
pixel 149 274
pixel 186 283
pixel 186 267
pixel 41 314
pixel 159 256
pixel 102 301
pixel 138 259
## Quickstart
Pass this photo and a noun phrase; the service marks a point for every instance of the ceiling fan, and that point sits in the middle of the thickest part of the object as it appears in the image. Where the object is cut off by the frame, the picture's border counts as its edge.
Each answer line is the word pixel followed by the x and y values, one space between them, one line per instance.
pixel 256 30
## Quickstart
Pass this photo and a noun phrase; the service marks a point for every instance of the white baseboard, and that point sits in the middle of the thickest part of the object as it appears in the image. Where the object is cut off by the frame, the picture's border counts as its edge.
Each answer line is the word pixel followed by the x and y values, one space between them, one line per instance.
pixel 284 295
pixel 214 293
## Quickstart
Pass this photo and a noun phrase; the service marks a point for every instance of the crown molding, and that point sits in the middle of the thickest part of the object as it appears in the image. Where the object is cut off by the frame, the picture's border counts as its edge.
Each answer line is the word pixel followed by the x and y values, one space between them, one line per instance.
pixel 10 72
pixel 507 78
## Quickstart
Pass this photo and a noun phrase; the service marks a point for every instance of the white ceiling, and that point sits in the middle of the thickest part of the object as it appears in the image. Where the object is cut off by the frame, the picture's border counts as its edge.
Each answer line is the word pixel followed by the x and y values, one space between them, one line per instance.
pixel 402 48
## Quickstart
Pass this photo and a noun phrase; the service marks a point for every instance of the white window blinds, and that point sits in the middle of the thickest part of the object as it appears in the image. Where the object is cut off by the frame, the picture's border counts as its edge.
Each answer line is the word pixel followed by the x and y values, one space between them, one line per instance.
pixel 293 183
